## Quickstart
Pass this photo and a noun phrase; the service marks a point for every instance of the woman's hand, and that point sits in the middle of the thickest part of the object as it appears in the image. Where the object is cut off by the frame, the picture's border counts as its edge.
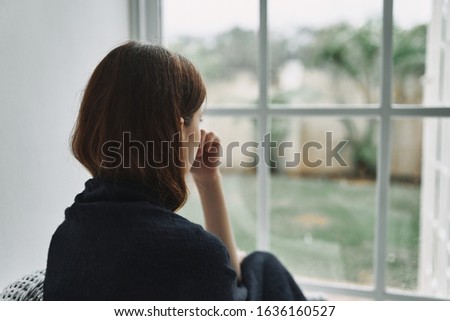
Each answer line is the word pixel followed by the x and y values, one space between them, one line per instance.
pixel 207 161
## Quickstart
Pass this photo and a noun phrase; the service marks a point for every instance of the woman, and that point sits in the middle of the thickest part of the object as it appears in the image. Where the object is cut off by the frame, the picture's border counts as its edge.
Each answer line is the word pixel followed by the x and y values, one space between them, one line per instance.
pixel 138 134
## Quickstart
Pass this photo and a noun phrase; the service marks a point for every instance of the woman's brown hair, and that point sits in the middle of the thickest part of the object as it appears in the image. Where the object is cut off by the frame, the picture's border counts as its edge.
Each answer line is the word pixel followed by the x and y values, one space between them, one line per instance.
pixel 141 90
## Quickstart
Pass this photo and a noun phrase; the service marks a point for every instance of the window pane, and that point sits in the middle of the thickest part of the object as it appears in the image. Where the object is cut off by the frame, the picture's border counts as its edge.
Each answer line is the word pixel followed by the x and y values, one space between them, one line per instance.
pixel 239 177
pixel 323 207
pixel 220 38
pixel 418 231
pixel 411 22
pixel 322 52
pixel 404 214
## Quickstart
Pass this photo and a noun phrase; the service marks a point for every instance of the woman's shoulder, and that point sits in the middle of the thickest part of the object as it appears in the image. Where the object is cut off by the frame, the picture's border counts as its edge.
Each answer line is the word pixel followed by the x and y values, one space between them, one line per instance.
pixel 143 225
pixel 190 236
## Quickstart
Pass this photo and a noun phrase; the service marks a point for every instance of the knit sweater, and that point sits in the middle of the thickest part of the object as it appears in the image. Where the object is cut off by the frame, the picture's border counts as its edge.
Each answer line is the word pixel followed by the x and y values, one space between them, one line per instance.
pixel 118 242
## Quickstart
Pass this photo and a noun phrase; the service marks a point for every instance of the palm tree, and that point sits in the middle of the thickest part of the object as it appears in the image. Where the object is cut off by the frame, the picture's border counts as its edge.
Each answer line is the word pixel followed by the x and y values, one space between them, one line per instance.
pixel 353 53
pixel 409 63
pixel 347 52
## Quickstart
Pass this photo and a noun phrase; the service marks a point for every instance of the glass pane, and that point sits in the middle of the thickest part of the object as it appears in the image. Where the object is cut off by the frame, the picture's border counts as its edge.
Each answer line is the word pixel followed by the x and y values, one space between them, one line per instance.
pixel 404 214
pixel 323 203
pixel 239 177
pixel 220 38
pixel 411 21
pixel 322 52
pixel 419 208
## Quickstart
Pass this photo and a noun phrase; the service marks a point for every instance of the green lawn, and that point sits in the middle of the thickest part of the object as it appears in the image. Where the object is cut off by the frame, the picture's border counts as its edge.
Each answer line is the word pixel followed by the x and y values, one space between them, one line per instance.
pixel 324 229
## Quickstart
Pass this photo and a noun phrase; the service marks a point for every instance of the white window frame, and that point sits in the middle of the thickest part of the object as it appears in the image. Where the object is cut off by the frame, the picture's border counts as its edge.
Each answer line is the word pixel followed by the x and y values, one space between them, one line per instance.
pixel 434 264
pixel 146 24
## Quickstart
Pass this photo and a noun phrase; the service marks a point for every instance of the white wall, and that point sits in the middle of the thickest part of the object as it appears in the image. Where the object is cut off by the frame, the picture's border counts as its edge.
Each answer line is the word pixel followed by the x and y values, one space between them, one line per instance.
pixel 48 48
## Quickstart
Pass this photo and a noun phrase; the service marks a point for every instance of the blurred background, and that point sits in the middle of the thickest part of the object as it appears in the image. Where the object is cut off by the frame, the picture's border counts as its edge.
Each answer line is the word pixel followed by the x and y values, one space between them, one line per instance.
pixel 324 54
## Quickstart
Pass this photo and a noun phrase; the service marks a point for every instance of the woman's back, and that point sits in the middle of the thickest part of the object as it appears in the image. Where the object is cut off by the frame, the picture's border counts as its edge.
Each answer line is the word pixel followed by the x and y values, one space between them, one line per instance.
pixel 119 243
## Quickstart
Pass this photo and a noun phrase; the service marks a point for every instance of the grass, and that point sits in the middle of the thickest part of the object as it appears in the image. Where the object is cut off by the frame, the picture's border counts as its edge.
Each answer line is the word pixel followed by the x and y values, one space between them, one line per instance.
pixel 324 229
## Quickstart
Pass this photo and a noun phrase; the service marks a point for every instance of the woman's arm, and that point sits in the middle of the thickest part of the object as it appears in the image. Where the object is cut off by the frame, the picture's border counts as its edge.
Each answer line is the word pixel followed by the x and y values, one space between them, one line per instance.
pixel 208 180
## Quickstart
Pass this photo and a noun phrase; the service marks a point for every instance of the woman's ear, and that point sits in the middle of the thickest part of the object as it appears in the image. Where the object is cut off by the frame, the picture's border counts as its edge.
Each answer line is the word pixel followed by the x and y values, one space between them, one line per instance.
pixel 183 128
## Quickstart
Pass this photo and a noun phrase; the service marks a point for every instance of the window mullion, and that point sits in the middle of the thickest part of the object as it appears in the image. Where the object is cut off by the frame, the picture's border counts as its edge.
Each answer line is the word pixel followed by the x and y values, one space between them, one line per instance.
pixel 402 111
pixel 263 199
pixel 384 155
pixel 153 21
pixel 146 20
